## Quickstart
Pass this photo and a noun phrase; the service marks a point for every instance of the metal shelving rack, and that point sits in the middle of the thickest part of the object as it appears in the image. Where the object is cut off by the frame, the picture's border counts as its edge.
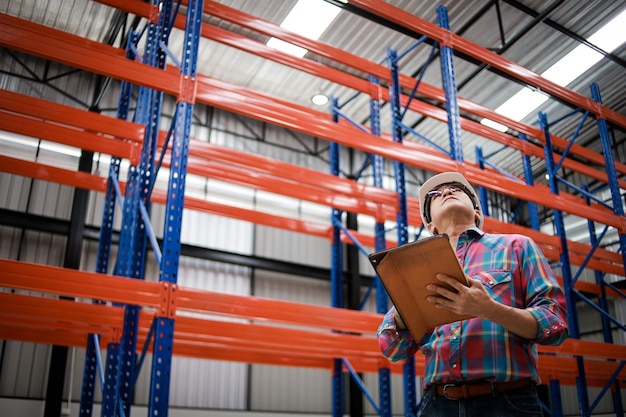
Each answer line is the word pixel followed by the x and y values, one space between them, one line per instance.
pixel 118 381
pixel 155 80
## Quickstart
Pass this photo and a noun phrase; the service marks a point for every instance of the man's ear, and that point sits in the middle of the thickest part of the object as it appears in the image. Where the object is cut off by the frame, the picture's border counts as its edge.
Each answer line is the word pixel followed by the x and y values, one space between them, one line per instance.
pixel 432 229
pixel 477 217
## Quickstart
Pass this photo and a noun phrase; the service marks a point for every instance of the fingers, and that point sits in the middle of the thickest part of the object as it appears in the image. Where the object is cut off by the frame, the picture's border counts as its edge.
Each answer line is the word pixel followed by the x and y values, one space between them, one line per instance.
pixel 457 286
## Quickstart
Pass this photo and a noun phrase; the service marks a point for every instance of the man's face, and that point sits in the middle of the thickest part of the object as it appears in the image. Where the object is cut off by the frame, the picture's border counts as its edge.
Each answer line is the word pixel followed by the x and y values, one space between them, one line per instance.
pixel 451 199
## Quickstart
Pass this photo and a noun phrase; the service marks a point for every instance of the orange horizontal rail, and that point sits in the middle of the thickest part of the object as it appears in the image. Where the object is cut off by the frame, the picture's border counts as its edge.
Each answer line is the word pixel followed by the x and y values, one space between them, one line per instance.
pixel 71 116
pixel 36 313
pixel 358 84
pixel 251 104
pixel 74 283
pixel 284 332
pixel 85 140
pixel 302 119
pixel 603 260
pixel 458 43
pixel 51 173
pixel 257 308
pixel 588 348
pixel 300 175
pixel 21 306
pixel 288 187
pixel 98 58
pixel 48 336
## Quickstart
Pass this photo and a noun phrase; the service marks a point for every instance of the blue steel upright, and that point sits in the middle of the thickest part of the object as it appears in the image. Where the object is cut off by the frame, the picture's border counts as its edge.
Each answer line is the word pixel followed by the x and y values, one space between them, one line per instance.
pixel 402 218
pixel 566 271
pixel 336 276
pixel 164 326
pixel 618 209
pixel 92 351
pixel 449 87
pixel 120 370
pixel 382 299
pixel 611 171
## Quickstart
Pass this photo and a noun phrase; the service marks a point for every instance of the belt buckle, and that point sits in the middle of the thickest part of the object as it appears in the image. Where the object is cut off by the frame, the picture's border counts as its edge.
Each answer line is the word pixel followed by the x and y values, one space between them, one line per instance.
pixel 445 391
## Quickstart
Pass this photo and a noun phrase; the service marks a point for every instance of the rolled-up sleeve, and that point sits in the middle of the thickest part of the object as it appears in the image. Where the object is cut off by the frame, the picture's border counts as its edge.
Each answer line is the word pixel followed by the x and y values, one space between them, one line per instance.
pixel 394 344
pixel 545 298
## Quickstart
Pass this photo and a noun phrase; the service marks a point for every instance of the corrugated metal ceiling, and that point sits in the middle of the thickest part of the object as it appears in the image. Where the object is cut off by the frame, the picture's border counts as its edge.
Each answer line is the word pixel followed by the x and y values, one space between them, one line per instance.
pixel 535 42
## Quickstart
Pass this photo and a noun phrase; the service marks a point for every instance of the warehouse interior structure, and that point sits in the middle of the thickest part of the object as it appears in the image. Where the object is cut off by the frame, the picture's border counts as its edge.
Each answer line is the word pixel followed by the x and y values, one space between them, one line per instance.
pixel 184 232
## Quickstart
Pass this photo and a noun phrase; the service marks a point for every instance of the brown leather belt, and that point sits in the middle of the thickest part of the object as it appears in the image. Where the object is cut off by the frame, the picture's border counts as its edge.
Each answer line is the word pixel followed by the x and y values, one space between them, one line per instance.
pixel 475 389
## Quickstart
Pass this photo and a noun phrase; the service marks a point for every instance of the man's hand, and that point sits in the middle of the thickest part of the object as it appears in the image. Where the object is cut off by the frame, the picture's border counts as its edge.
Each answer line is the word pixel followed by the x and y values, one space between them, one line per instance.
pixel 475 301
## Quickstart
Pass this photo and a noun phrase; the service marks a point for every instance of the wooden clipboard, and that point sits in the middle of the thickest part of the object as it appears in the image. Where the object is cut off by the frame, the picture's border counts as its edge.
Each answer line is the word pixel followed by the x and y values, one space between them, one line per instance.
pixel 406 270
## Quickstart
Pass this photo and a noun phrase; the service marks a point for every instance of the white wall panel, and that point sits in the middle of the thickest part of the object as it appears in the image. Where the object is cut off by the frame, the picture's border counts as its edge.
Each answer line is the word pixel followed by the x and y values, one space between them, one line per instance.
pixel 24 369
pixel 13 191
pixel 286 389
pixel 292 247
pixel 217 232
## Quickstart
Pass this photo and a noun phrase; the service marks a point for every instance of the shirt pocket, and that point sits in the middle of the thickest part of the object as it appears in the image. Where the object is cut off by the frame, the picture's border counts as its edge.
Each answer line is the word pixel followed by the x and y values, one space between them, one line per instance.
pixel 498 283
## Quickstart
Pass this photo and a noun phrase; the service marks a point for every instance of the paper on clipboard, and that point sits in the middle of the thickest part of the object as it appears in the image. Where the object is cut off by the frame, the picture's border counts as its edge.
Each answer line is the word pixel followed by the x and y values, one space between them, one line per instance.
pixel 406 270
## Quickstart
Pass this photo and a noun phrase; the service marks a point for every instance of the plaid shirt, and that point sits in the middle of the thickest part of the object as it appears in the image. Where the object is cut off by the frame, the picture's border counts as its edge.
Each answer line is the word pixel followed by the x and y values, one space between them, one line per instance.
pixel 514 272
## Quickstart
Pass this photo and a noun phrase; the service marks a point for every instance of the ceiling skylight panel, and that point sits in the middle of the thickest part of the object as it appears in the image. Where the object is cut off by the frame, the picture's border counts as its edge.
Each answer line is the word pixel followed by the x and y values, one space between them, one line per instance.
pixel 308 18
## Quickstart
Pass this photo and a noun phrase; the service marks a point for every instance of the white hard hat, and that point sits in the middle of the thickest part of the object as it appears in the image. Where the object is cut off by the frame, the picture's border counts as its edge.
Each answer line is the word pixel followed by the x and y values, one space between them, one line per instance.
pixel 446 178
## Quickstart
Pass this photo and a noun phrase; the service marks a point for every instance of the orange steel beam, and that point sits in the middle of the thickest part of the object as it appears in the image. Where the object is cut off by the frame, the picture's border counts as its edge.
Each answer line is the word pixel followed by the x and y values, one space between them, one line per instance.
pixel 358 84
pixel 71 116
pixel 51 173
pixel 209 151
pixel 35 312
pixel 70 282
pixel 48 336
pixel 220 94
pixel 302 119
pixel 288 188
pixel 458 43
pixel 603 260
pixel 95 57
pixel 264 309
pixel 86 140
pixel 96 316
pixel 466 124
pixel 330 331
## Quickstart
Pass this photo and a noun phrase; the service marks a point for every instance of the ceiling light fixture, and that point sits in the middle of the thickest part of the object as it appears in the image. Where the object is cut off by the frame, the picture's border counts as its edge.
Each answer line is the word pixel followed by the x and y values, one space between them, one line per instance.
pixel 319 99
pixel 566 70
pixel 308 18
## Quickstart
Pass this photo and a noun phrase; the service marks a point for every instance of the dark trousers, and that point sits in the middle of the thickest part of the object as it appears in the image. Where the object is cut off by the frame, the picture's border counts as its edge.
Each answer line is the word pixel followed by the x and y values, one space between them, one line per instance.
pixel 523 402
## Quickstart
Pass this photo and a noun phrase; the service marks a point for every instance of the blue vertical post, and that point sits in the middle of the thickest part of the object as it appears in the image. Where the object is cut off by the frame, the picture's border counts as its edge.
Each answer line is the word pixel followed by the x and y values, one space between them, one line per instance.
pixel 410 394
pixel 482 191
pixel 336 275
pixel 131 259
pixel 120 369
pixel 382 299
pixel 566 272
pixel 618 209
pixel 530 180
pixel 533 212
pixel 450 90
pixel 611 171
pixel 102 257
pixel 164 326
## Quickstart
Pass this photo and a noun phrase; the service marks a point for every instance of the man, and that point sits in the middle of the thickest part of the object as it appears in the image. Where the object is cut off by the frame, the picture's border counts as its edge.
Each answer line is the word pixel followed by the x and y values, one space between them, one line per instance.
pixel 485 366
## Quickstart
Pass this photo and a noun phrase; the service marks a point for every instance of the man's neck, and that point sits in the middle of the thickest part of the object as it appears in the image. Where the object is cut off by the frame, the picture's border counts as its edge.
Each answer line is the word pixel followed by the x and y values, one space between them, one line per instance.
pixel 454 231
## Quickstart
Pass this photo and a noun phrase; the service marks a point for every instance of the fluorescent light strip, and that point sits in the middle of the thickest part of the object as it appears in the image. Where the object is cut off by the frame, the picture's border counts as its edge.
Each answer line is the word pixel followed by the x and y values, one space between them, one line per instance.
pixel 308 18
pixel 566 70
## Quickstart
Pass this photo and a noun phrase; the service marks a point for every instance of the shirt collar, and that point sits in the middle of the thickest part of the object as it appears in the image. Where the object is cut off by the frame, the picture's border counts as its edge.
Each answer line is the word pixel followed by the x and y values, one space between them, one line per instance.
pixel 471 233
